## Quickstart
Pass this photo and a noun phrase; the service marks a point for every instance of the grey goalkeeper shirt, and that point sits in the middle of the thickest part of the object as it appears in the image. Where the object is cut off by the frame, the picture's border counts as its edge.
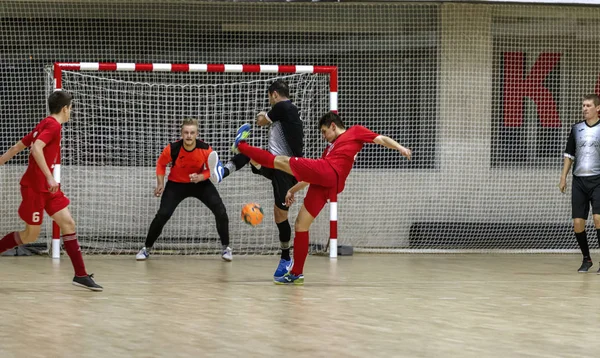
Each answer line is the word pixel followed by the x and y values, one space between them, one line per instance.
pixel 286 134
pixel 583 147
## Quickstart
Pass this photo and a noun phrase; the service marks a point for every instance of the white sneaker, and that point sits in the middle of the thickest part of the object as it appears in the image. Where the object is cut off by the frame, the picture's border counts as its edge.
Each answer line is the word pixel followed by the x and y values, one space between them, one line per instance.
pixel 227 255
pixel 142 255
pixel 215 167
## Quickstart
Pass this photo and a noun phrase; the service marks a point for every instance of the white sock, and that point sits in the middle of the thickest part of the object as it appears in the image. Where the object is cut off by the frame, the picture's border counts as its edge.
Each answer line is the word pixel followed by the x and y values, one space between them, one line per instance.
pixel 230 166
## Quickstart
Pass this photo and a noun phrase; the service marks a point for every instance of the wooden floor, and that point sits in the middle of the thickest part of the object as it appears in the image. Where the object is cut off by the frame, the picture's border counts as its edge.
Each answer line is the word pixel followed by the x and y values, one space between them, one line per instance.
pixel 361 306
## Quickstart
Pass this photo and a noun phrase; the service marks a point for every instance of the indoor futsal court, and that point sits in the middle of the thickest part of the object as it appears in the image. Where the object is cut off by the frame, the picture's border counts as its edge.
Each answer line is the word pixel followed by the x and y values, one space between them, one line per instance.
pixel 362 306
pixel 451 149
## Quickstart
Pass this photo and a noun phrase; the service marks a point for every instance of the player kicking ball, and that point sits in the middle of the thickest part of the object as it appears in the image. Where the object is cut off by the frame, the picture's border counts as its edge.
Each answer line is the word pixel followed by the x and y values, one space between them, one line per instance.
pixel 41 192
pixel 326 176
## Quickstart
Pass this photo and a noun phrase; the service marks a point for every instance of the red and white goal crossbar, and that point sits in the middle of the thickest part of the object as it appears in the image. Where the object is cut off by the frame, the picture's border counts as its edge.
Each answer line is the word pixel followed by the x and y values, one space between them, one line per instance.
pixel 331 71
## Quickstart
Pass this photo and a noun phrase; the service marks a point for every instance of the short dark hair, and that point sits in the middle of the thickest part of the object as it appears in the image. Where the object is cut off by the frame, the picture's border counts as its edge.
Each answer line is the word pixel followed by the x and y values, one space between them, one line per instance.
pixel 331 117
pixel 592 97
pixel 281 87
pixel 57 100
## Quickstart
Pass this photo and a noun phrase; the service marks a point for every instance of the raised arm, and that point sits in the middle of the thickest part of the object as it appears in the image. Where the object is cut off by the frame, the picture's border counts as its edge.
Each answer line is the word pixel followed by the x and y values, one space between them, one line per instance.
pixel 11 152
pixel 392 144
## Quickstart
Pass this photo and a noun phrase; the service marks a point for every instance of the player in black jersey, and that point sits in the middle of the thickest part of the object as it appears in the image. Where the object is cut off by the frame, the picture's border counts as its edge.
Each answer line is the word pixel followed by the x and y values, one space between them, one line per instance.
pixel 286 137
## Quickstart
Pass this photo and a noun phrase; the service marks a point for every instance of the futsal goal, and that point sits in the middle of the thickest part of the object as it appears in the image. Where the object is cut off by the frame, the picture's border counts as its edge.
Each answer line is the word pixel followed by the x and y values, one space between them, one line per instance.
pixel 124 114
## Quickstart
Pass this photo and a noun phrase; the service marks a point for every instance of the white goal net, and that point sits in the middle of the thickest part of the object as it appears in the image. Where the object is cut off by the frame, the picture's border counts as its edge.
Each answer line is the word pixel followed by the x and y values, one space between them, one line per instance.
pixel 121 121
pixel 483 92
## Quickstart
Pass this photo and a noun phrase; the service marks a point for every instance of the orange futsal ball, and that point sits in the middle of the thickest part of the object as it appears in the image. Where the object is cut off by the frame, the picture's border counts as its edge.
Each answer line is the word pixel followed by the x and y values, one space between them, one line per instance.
pixel 252 214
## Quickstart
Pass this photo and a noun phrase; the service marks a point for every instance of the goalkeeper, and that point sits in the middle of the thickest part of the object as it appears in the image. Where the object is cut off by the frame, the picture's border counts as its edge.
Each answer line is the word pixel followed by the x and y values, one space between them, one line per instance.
pixel 192 162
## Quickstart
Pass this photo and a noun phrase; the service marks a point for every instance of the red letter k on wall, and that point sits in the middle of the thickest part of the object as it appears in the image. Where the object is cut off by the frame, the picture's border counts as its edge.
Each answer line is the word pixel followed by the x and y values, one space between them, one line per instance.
pixel 517 86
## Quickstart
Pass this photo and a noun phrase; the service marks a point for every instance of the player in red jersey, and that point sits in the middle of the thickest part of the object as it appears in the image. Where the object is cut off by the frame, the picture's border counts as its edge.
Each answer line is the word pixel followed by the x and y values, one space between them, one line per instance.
pixel 326 176
pixel 40 191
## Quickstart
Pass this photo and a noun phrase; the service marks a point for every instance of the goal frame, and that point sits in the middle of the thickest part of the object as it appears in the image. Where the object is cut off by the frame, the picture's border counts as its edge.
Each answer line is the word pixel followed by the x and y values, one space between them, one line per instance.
pixel 331 71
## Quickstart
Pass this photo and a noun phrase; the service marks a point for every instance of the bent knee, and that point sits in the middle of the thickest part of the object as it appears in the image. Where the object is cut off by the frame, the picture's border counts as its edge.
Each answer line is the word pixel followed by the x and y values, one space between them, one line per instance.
pixel 27 239
pixel 282 159
pixel 221 212
pixel 163 216
pixel 301 225
pixel 30 235
pixel 579 225
pixel 68 226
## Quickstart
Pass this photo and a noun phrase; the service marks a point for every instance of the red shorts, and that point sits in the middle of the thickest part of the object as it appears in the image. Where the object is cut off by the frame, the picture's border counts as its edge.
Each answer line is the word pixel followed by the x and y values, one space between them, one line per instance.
pixel 316 198
pixel 314 171
pixel 35 202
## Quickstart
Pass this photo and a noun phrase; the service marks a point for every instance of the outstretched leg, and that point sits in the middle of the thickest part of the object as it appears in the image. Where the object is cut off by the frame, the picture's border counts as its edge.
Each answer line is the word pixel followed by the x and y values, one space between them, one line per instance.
pixel 266 159
pixel 237 162
pixel 17 238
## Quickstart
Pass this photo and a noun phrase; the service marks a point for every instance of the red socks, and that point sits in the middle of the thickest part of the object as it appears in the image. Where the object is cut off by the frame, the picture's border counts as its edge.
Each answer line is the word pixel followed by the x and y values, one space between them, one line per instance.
pixel 260 156
pixel 10 241
pixel 72 248
pixel 300 252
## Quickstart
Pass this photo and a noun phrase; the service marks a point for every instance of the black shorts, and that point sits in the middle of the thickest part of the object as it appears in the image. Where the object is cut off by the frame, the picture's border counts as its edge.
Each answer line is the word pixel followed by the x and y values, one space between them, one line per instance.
pixel 282 182
pixel 586 190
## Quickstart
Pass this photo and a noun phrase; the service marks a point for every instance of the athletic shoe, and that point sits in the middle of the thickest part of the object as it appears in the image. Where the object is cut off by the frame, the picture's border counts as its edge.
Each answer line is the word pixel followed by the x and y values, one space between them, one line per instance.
pixel 598 272
pixel 290 279
pixel 227 255
pixel 284 267
pixel 215 167
pixel 87 282
pixel 585 266
pixel 242 133
pixel 142 255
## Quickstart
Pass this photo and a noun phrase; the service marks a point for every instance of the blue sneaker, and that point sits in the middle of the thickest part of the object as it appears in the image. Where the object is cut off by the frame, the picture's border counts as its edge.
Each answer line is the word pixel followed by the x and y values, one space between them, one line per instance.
pixel 284 267
pixel 215 167
pixel 290 279
pixel 242 133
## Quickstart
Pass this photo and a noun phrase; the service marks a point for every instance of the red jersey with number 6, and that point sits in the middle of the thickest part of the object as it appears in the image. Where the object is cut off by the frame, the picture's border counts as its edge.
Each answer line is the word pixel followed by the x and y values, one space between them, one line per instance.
pixel 48 131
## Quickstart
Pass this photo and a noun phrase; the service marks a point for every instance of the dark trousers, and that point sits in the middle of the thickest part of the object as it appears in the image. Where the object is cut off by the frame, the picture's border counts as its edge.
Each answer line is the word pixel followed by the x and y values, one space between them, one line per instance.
pixel 174 194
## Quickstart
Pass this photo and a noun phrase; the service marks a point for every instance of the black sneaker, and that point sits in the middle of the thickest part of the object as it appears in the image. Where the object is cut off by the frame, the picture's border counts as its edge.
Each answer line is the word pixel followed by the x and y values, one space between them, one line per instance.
pixel 585 266
pixel 598 272
pixel 87 282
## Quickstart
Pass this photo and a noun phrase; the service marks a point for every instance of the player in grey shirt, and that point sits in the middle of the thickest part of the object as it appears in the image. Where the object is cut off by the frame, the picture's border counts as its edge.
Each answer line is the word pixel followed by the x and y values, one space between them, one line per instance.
pixel 583 149
pixel 286 137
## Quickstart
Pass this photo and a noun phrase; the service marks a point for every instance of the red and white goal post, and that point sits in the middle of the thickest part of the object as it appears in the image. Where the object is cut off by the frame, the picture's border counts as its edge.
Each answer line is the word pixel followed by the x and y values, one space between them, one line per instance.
pixel 128 86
